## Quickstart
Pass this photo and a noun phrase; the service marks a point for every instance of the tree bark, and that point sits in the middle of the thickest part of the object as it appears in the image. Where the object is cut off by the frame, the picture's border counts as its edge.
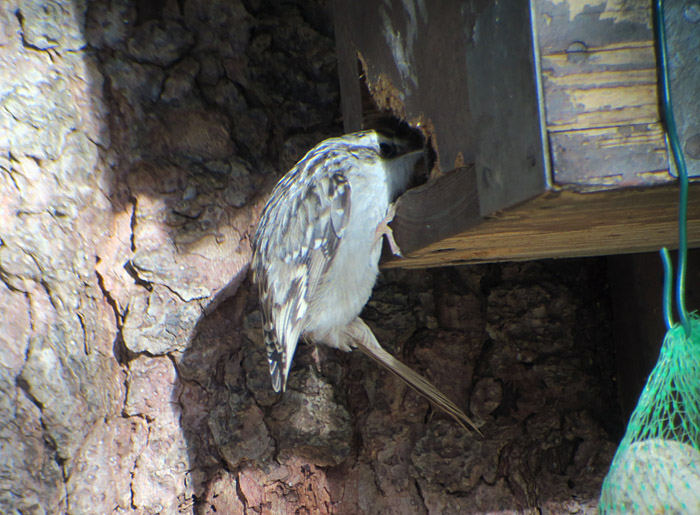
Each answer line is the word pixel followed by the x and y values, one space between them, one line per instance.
pixel 139 142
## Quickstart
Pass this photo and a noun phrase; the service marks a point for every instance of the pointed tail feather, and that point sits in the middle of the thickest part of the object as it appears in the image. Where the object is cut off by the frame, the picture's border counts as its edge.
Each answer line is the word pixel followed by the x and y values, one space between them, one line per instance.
pixel 367 343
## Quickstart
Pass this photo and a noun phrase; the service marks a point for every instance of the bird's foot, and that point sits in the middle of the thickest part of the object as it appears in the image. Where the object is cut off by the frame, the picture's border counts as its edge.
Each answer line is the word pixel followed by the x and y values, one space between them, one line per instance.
pixel 383 229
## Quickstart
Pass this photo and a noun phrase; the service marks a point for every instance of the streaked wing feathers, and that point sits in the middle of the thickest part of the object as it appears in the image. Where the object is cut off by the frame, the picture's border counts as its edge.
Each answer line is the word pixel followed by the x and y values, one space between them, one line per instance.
pixel 297 237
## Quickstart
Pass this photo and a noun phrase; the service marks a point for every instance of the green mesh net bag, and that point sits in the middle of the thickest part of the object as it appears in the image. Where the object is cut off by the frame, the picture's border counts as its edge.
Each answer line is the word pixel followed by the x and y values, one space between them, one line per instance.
pixel 656 468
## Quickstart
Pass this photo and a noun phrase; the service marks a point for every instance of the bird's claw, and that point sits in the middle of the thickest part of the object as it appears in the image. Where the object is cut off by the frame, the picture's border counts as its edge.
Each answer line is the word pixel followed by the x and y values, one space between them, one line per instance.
pixel 383 229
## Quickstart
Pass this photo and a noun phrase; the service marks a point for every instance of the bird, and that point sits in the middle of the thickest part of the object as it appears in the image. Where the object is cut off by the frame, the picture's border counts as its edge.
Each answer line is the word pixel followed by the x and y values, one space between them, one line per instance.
pixel 317 246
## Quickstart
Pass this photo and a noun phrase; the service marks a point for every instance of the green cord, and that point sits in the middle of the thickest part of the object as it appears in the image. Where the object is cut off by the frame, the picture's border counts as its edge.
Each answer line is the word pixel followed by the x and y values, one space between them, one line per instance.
pixel 668 282
pixel 682 176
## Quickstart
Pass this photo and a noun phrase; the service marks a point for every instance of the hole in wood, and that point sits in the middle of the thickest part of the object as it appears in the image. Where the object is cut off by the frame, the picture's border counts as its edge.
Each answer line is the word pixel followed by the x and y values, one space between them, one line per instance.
pixel 382 109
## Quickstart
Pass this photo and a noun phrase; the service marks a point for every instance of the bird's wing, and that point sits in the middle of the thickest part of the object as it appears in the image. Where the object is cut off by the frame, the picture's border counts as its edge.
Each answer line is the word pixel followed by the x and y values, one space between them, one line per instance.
pixel 297 239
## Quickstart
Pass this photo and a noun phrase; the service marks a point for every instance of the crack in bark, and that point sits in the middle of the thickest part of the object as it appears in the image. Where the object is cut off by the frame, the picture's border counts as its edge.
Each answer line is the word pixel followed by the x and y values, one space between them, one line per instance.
pixel 41 281
pixel 121 353
pixel 9 173
pixel 134 274
pixel 419 490
pixel 132 224
pixel 25 44
pixel 25 388
pixel 86 343
pixel 131 486
pixel 47 438
pixel 241 495
pixel 174 292
pixel 110 300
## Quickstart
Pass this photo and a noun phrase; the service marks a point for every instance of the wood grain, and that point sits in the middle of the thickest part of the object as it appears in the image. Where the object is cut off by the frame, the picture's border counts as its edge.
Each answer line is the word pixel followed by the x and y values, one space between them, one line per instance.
pixel 599 79
pixel 619 156
pixel 567 224
pixel 610 190
pixel 600 87
pixel 597 24
pixel 445 206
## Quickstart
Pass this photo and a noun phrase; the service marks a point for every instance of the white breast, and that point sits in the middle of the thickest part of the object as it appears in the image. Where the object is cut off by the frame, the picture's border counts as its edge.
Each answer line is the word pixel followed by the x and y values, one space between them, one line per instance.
pixel 347 286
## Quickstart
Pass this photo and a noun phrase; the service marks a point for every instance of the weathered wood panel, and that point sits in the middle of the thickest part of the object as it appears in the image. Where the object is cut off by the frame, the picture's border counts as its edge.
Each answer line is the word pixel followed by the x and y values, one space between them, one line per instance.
pixel 462 72
pixel 599 119
pixel 568 224
pixel 618 156
pixel 435 211
pixel 599 78
pixel 597 23
pixel 585 87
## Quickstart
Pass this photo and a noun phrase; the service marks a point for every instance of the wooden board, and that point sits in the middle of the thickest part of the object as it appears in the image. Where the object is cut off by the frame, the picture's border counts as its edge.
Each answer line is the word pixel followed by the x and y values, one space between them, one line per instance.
pixel 600 87
pixel 568 224
pixel 592 82
pixel 617 156
pixel 447 205
pixel 599 78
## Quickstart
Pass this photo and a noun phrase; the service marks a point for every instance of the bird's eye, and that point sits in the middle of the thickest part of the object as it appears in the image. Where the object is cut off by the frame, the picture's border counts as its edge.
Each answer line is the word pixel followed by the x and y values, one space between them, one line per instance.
pixel 387 150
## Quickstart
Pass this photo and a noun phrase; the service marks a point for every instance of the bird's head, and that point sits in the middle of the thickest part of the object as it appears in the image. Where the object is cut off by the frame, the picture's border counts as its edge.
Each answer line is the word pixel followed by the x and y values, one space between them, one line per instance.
pixel 396 153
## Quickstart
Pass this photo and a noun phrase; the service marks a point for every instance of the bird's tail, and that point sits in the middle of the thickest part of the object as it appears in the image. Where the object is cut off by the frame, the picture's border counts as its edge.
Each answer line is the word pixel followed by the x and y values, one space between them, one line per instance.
pixel 366 342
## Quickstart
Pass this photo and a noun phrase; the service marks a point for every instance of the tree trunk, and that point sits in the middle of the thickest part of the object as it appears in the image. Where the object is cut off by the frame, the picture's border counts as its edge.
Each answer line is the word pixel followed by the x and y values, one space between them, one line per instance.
pixel 139 142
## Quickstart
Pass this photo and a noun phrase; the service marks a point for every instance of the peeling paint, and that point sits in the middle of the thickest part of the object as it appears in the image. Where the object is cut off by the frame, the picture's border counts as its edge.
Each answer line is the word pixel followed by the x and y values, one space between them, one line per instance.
pixel 401 46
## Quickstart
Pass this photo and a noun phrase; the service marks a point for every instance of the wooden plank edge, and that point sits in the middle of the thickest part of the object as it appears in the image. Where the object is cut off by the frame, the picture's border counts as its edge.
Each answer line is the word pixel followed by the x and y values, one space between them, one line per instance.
pixel 567 224
pixel 443 207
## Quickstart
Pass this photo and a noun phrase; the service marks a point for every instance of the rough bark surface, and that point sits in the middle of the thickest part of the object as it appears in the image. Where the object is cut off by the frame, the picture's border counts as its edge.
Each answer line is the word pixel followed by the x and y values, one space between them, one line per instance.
pixel 138 143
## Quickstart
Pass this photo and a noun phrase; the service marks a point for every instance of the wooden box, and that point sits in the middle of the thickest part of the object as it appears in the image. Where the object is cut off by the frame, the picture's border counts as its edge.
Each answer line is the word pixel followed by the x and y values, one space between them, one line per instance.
pixel 543 116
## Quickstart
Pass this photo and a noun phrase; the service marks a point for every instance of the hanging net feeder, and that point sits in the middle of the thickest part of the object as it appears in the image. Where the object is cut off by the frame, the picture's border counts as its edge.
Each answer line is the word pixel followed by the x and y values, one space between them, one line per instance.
pixel 656 469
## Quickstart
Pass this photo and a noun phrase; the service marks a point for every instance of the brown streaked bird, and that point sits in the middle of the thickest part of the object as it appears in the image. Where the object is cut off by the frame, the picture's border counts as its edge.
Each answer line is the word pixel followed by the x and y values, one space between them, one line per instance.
pixel 317 248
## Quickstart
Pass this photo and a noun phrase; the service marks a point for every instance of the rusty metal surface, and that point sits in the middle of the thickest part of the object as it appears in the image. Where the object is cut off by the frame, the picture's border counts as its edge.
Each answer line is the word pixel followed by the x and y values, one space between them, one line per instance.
pixel 465 70
pixel 683 39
